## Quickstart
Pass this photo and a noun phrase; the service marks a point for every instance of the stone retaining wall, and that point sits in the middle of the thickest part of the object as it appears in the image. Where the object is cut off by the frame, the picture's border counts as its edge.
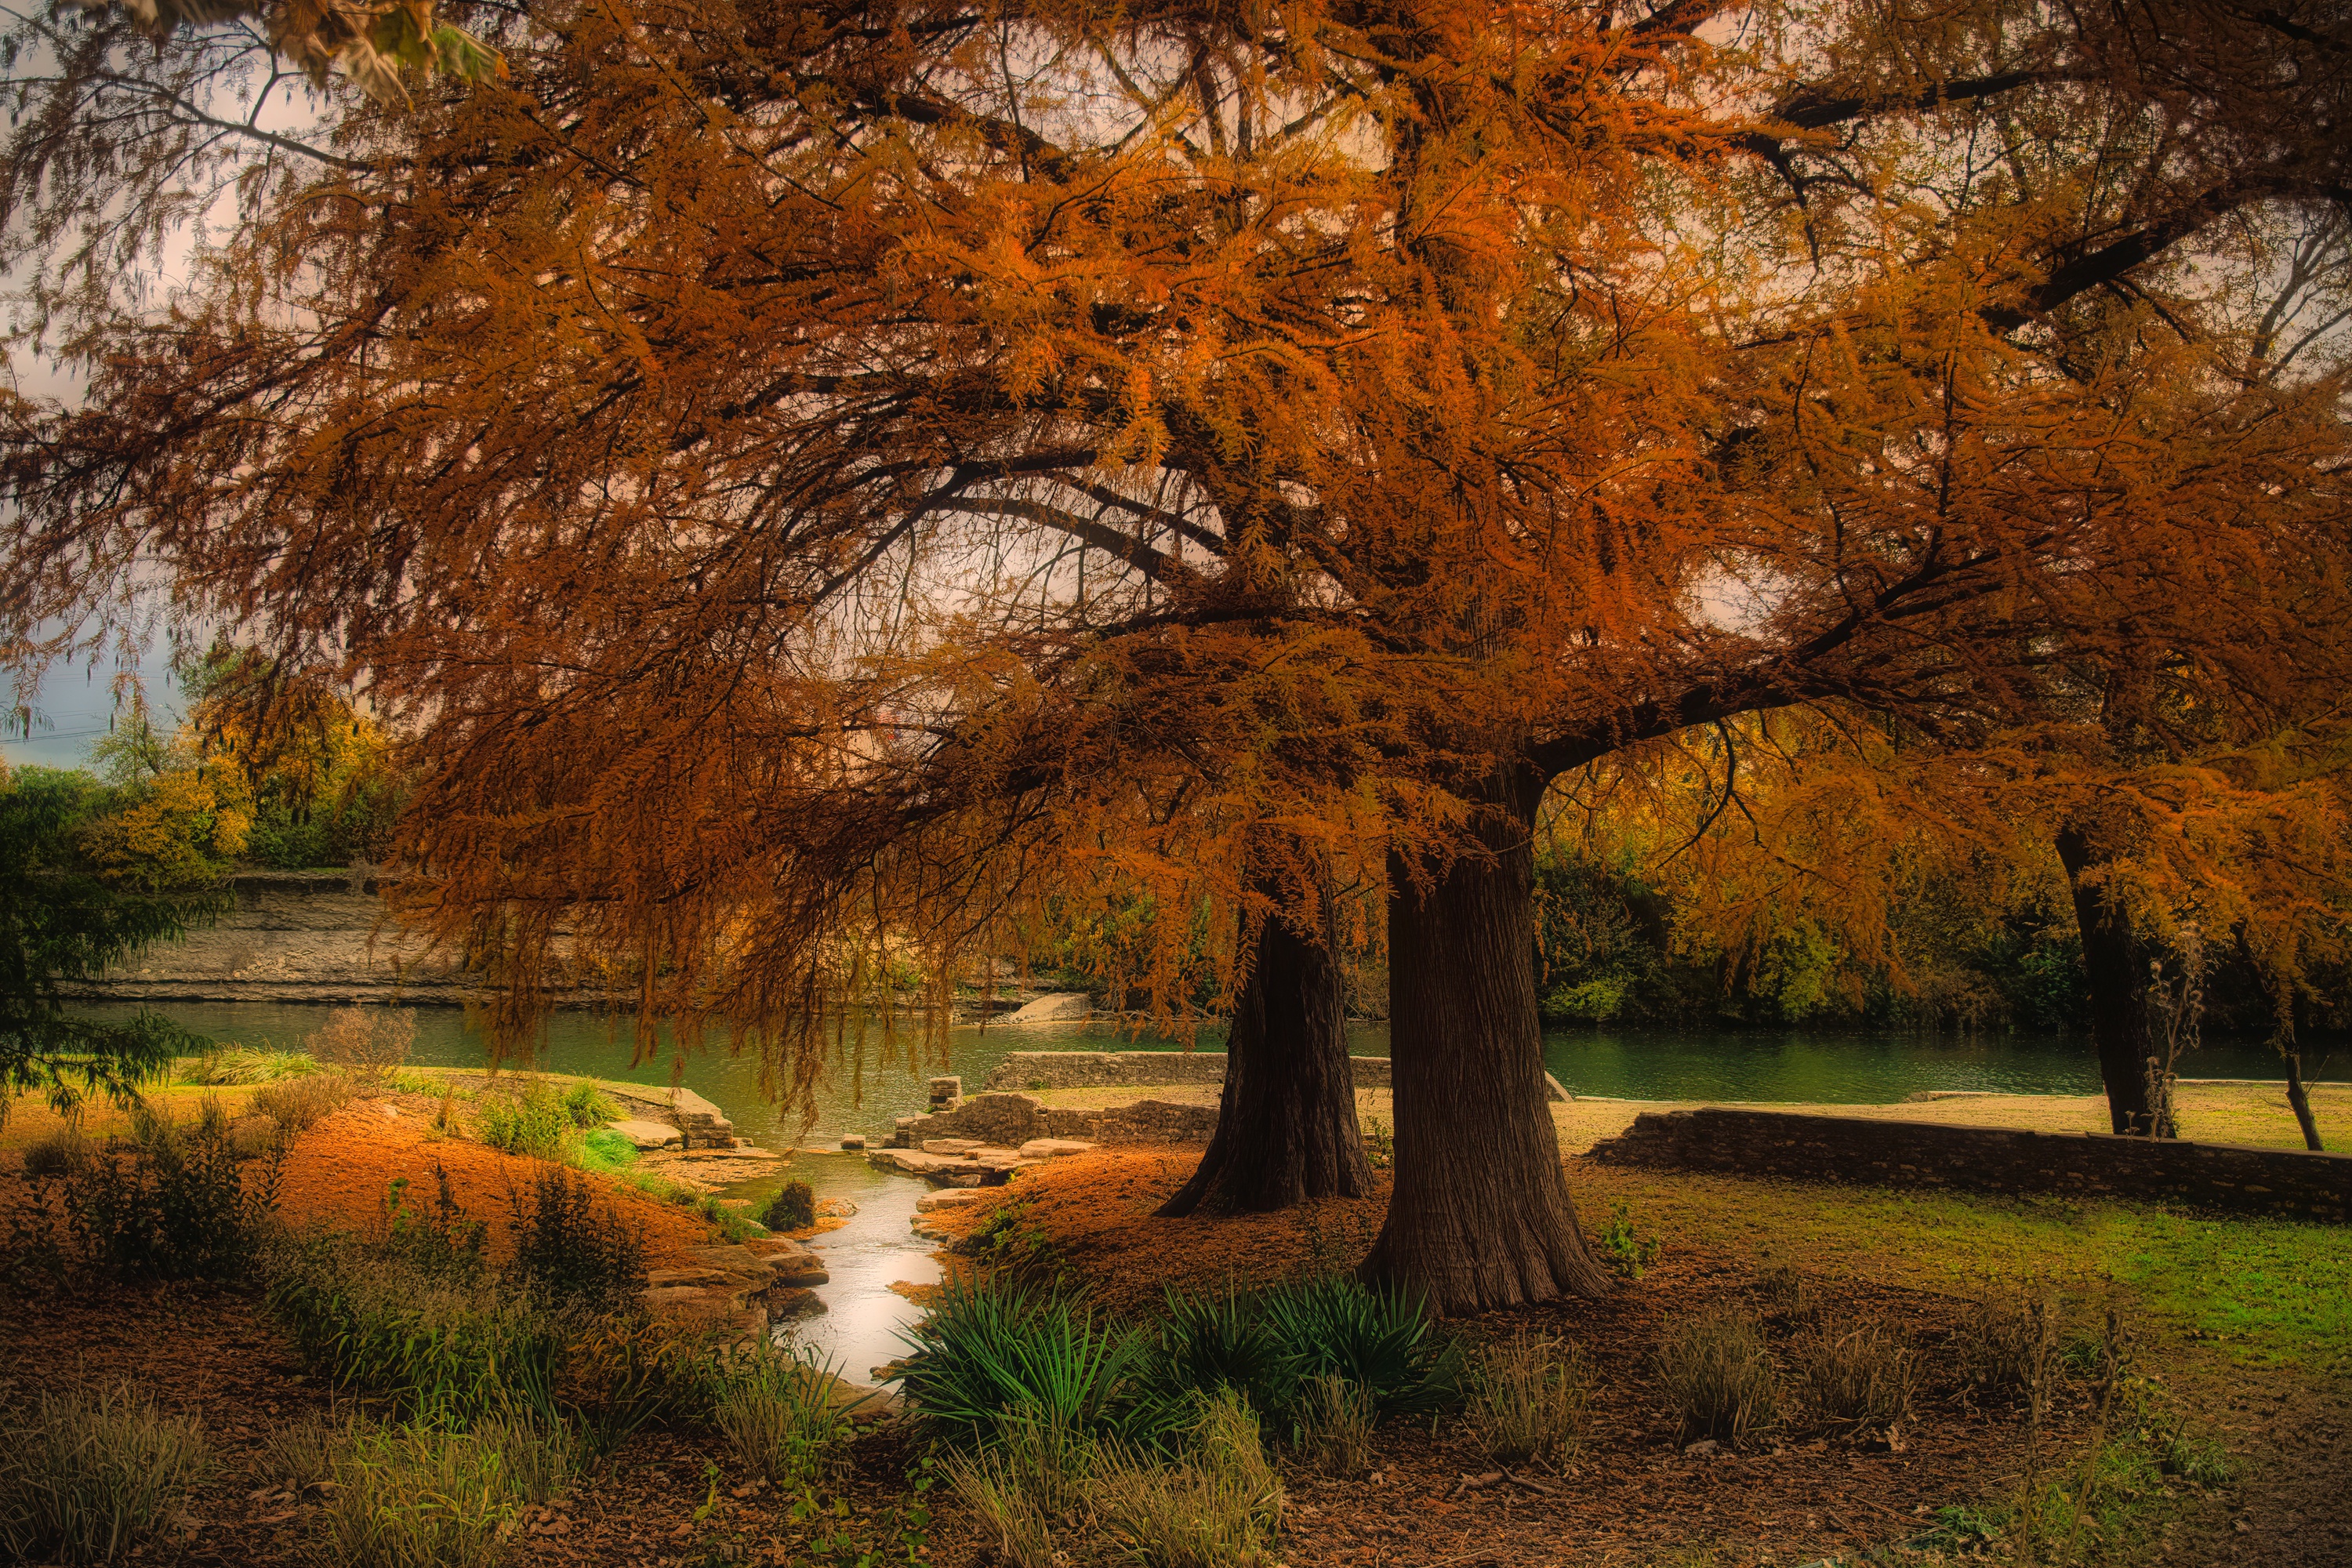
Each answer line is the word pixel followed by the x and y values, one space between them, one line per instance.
pixel 2287 1182
pixel 1125 1070
pixel 1009 1121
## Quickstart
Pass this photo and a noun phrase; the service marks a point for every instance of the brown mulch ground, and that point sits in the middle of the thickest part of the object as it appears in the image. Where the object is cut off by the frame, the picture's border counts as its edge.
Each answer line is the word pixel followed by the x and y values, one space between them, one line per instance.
pixel 1631 1498
pixel 339 1172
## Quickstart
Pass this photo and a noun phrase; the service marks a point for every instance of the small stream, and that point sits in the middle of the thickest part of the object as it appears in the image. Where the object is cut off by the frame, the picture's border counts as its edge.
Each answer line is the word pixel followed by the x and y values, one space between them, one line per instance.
pixel 874 1249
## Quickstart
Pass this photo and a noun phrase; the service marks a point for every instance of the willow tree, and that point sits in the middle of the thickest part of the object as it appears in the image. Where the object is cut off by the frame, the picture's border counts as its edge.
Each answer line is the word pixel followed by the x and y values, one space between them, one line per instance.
pixel 778 458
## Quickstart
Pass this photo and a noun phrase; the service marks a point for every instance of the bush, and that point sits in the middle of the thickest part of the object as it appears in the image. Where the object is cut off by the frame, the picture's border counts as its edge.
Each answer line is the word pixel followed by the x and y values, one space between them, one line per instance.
pixel 1860 1379
pixel 57 1154
pixel 533 1123
pixel 298 1104
pixel 995 1350
pixel 781 1415
pixel 84 1476
pixel 1528 1401
pixel 1335 1425
pixel 425 1497
pixel 447 1245
pixel 1378 1340
pixel 179 1209
pixel 793 1208
pixel 1624 1248
pixel 1220 1507
pixel 625 1368
pixel 369 1045
pixel 588 1106
pixel 1716 1378
pixel 575 1248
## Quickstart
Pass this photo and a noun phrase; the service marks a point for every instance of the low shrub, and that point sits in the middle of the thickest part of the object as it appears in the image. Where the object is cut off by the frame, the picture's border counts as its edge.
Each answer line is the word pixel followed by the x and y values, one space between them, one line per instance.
pixel 1860 1379
pixel 2007 1345
pixel 57 1154
pixel 782 1415
pixel 1218 1507
pixel 429 1498
pixel 1010 1242
pixel 1335 1425
pixel 793 1208
pixel 369 1044
pixel 574 1247
pixel 298 1104
pixel 588 1106
pixel 625 1368
pixel 533 1123
pixel 1380 1341
pixel 1624 1248
pixel 1209 1342
pixel 180 1207
pixel 1716 1378
pixel 1528 1400
pixel 999 1350
pixel 83 1477
pixel 448 1351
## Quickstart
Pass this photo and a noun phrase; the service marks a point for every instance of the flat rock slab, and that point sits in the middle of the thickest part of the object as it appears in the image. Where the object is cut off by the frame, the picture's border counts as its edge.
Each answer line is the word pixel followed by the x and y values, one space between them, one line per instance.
pixel 1061 1006
pixel 645 1134
pixel 951 1145
pixel 1053 1148
pixel 790 1262
pixel 953 1198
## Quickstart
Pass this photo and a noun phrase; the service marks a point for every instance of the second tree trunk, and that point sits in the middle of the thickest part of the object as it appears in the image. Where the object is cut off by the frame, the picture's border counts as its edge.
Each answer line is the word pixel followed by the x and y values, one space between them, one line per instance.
pixel 1480 1216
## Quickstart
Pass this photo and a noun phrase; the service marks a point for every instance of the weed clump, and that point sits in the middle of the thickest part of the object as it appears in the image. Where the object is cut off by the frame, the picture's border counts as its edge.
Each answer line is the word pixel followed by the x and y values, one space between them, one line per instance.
pixel 1218 1507
pixel 533 1123
pixel 2006 1346
pixel 298 1104
pixel 57 1154
pixel 589 1107
pixel 1717 1379
pixel 1335 1425
pixel 793 1208
pixel 780 1415
pixel 1859 1380
pixel 1027 1484
pixel 425 1497
pixel 1624 1248
pixel 1528 1400
pixel 83 1477
pixel 179 1208
pixel 575 1248
pixel 235 1066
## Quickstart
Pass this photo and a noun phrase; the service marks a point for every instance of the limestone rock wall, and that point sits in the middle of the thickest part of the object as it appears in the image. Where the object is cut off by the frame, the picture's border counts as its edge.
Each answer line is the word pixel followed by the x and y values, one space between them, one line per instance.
pixel 291 936
pixel 1009 1121
pixel 1121 1069
pixel 2288 1181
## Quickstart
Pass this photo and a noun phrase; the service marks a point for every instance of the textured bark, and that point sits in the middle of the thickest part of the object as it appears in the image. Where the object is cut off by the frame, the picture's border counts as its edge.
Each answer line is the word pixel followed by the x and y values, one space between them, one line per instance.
pixel 1480 1217
pixel 2300 1099
pixel 1287 1127
pixel 2120 1024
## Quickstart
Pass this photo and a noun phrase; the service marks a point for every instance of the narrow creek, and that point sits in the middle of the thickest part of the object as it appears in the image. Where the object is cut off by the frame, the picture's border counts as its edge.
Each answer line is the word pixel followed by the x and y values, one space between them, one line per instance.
pixel 871 1251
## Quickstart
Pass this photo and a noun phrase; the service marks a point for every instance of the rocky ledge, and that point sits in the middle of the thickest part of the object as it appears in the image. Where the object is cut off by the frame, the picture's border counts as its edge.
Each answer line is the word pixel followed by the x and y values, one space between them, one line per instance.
pixel 968 1163
pixel 743 1289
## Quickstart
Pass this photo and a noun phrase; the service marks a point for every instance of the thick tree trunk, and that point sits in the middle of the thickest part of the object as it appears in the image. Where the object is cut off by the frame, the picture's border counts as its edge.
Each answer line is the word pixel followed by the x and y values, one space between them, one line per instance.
pixel 1480 1217
pixel 1287 1127
pixel 2117 968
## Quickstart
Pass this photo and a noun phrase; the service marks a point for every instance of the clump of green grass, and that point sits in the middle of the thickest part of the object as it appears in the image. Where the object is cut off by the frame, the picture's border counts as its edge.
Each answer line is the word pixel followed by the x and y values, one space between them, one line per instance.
pixel 301 1454
pixel 1335 1425
pixel 606 1152
pixel 996 1350
pixel 533 1123
pixel 426 1497
pixel 1717 1379
pixel 1528 1400
pixel 781 1414
pixel 85 1477
pixel 589 1106
pixel 1027 1484
pixel 234 1065
pixel 1219 1506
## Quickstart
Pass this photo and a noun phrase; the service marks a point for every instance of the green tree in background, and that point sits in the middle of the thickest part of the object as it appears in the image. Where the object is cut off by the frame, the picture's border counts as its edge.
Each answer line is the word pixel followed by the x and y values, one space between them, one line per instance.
pixel 59 924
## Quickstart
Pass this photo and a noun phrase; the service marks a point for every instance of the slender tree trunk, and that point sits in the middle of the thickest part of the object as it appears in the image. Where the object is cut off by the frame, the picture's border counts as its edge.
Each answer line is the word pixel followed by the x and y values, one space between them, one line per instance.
pixel 2299 1098
pixel 2117 968
pixel 1480 1216
pixel 1287 1127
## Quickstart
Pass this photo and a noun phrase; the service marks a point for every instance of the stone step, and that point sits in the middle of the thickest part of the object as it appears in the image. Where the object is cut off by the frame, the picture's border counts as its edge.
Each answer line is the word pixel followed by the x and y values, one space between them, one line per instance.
pixel 646 1134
